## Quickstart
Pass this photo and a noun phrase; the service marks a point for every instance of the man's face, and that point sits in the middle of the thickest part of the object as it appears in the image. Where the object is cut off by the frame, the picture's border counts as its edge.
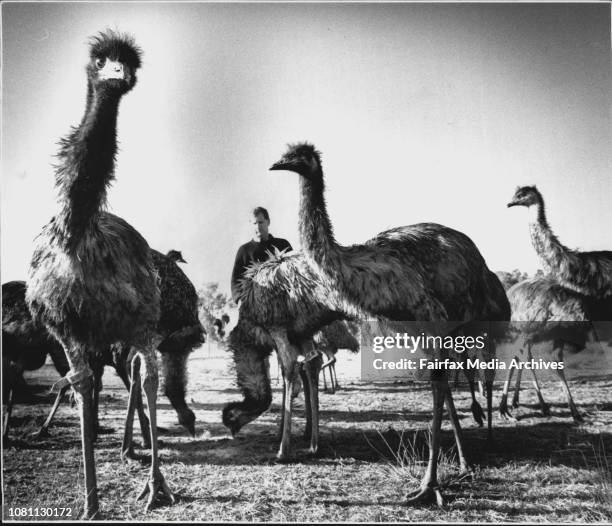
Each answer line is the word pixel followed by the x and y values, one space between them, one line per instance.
pixel 260 227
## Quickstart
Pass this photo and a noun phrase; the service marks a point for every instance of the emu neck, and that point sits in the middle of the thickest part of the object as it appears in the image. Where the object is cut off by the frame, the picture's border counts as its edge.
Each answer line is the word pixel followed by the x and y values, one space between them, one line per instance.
pixel 87 161
pixel 546 244
pixel 316 231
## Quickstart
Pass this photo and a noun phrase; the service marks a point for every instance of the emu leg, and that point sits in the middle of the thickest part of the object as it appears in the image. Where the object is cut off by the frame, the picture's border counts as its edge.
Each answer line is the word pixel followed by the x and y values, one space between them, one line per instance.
pixel 307 400
pixel 517 389
pixel 83 394
pixel 156 481
pixel 43 431
pixel 7 414
pixel 452 413
pixel 489 391
pixel 570 401
pixel 98 371
pixel 543 405
pixel 281 430
pixel 429 491
pixel 476 408
pixel 287 355
pixel 332 371
pixel 325 379
pixel 313 367
pixel 332 368
pixel 82 385
pixel 285 446
pixel 121 368
pixel 504 412
pixel 127 446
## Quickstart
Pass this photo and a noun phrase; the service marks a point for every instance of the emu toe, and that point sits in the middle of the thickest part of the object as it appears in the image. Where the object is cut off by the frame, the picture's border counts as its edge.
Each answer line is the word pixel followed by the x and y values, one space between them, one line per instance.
pixel 504 412
pixel 41 433
pixel 425 495
pixel 152 487
pixel 128 454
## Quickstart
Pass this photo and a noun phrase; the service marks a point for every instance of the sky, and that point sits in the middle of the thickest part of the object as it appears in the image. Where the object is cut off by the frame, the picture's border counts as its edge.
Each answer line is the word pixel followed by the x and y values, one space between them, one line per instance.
pixel 423 113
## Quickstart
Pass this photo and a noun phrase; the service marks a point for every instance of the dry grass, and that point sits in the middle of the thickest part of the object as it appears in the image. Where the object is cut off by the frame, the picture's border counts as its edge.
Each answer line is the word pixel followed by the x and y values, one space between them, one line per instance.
pixel 373 451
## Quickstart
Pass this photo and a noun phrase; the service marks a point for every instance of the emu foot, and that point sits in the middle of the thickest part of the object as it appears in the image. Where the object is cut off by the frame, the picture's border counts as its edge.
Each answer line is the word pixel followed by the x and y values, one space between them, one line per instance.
pixel 504 412
pixel 515 401
pixel 478 413
pixel 43 432
pixel 465 470
pixel 578 418
pixel 155 484
pixel 313 451
pixel 128 454
pixel 425 495
pixel 282 459
pixel 283 456
pixel 545 409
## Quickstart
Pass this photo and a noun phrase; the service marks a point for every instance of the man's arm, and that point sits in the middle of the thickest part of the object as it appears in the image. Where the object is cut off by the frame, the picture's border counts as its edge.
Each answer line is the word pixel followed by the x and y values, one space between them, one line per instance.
pixel 237 272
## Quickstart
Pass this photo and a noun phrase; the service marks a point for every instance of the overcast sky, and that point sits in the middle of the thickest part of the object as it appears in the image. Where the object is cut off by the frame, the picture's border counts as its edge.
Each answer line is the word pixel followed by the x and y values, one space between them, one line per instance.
pixel 423 112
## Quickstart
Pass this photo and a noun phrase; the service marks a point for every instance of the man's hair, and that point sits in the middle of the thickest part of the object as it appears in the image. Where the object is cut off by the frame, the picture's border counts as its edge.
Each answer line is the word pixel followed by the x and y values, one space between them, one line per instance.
pixel 261 210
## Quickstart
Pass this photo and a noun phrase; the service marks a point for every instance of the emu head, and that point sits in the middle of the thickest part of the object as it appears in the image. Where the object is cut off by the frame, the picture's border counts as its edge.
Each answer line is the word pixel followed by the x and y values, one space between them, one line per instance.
pixel 236 416
pixel 176 256
pixel 114 59
pixel 301 158
pixel 526 196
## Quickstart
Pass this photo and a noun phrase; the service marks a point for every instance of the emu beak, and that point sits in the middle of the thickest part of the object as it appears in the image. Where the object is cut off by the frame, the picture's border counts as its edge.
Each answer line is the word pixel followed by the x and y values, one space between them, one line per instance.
pixel 112 70
pixel 280 165
pixel 181 260
pixel 512 203
pixel 192 431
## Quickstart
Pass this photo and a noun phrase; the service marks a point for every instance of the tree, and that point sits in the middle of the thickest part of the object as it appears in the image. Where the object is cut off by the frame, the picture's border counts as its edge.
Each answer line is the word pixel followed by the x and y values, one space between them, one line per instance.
pixel 213 306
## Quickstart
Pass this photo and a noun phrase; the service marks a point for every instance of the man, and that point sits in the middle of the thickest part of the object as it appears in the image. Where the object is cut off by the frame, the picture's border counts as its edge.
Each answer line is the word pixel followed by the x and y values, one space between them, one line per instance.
pixel 257 249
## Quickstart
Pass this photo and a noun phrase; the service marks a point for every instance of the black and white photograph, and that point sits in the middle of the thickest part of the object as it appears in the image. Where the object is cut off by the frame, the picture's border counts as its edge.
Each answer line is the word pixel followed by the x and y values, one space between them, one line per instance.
pixel 314 262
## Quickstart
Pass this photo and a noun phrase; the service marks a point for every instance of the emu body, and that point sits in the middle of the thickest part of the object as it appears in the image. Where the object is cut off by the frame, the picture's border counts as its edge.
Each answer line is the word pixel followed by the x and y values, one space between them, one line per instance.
pixel 424 272
pixel 552 320
pixel 283 304
pixel 91 280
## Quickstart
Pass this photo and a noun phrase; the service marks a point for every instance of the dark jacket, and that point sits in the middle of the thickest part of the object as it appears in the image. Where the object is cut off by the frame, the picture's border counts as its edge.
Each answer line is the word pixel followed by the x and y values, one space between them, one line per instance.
pixel 254 251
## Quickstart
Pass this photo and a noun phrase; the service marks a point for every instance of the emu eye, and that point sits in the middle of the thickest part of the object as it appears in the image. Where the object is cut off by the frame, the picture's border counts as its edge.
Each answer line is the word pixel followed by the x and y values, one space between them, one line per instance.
pixel 100 62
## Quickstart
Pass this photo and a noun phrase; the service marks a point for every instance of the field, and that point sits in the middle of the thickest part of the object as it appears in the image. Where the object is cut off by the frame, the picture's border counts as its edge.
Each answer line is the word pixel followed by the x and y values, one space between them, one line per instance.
pixel 373 445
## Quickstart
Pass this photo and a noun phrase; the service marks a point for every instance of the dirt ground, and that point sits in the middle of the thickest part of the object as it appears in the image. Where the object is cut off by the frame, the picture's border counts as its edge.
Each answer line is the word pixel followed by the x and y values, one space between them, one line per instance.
pixel 373 451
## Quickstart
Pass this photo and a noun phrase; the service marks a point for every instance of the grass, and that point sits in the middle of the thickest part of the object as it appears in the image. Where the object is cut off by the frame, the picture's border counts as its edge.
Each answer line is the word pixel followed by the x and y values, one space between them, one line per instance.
pixel 373 451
